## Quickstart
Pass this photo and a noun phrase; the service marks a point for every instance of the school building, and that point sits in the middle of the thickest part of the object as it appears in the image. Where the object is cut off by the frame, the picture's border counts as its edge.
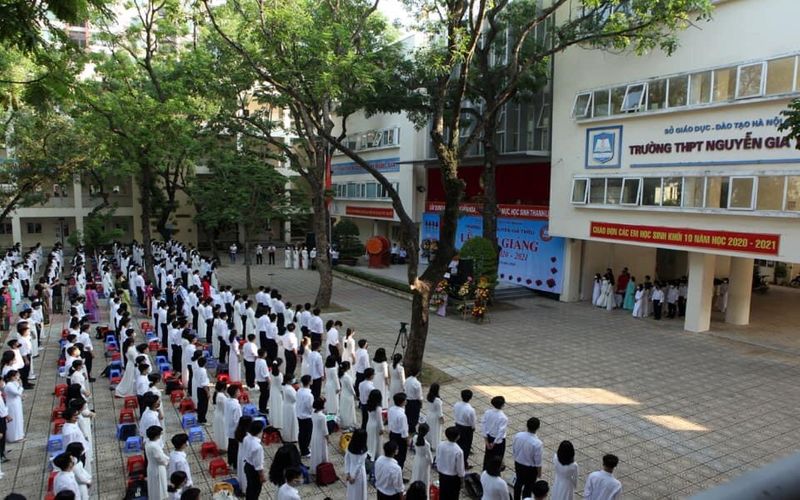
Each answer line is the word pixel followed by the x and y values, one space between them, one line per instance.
pixel 674 165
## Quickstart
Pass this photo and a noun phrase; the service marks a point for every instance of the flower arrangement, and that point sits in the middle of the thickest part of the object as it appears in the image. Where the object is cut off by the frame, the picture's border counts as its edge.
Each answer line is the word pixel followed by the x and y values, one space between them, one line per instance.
pixel 481 298
pixel 439 295
pixel 465 290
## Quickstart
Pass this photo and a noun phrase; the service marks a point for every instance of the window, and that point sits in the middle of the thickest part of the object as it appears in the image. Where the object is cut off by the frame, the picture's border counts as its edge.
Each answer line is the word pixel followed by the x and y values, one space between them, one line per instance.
pixel 693 189
pixel 630 191
pixel 671 190
pixel 700 88
pixel 580 188
pixel 600 102
pixel 613 191
pixel 651 192
pixel 34 228
pixel 677 91
pixel 656 95
pixel 793 193
pixel 617 96
pixel 634 97
pixel 770 193
pixel 780 75
pixel 749 81
pixel 742 193
pixel 352 190
pixel 724 84
pixel 597 191
pixel 5 228
pixel 582 107
pixel 716 192
pixel 372 190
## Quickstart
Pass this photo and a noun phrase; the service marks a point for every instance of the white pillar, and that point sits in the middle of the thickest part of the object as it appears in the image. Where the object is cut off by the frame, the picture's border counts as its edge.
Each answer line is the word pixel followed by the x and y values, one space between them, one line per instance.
pixel 700 293
pixel 16 229
pixel 739 291
pixel 77 190
pixel 571 271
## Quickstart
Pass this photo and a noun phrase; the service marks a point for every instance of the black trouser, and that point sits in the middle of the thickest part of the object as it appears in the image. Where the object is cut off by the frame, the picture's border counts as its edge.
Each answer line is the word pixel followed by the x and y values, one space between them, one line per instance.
pixel 189 389
pixel 305 427
pixel 359 379
pixel 164 335
pixel 250 373
pixel 316 337
pixel 209 330
pixel 291 363
pixel 233 451
pixel 3 430
pixel 25 372
pixel 263 397
pixel 657 309
pixel 384 496
pixel 195 315
pixel 681 306
pixel 259 258
pixel 316 387
pixel 272 258
pixel 272 349
pixel 87 360
pixel 499 449
pixel 244 327
pixel 140 296
pixel 177 357
pixel 334 351
pixel 364 416
pixel 526 477
pixel 202 404
pixel 449 487
pixel 413 407
pixel 402 448
pixel 672 309
pixel 254 485
pixel 185 279
pixel 281 324
pixel 465 435
pixel 223 351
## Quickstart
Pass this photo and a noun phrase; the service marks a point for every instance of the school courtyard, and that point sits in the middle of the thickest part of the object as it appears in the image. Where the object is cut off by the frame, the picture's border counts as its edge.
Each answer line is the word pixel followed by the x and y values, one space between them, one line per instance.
pixel 683 411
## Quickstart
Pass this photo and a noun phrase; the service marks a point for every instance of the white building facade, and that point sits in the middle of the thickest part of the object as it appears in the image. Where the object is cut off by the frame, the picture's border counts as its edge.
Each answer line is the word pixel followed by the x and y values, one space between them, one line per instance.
pixel 674 166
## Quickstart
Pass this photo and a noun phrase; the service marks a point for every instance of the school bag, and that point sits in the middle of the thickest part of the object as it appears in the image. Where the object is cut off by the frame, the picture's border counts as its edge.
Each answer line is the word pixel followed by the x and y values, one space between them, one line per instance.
pixel 472 485
pixel 344 441
pixel 137 490
pixel 326 474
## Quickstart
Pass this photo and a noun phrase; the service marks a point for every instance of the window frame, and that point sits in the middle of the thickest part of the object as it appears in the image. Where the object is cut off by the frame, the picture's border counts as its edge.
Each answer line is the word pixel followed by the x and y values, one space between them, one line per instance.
pixel 640 181
pixel 753 194
pixel 625 108
pixel 585 191
pixel 762 81
pixel 589 191
pixel 587 112
pixel 765 77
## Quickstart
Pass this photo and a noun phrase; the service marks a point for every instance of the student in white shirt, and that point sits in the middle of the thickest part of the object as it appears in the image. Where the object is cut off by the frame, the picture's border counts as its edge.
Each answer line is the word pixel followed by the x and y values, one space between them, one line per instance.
pixel 253 458
pixel 493 427
pixel 413 390
pixel 250 354
pixel 362 363
pixel 363 389
pixel 465 420
pixel 177 458
pixel 288 343
pixel 304 408
pixel 601 484
pixel 494 486
pixel 332 338
pixel 65 479
pixel 288 490
pixel 450 465
pixel 398 427
pixel 527 451
pixel 262 381
pixel 201 383
pixel 388 474
pixel 316 369
pixel 151 416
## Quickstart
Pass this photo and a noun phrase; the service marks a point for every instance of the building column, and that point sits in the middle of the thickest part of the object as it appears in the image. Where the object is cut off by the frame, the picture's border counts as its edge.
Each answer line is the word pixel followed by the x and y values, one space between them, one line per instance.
pixel 571 270
pixel 78 197
pixel 700 294
pixel 16 229
pixel 739 291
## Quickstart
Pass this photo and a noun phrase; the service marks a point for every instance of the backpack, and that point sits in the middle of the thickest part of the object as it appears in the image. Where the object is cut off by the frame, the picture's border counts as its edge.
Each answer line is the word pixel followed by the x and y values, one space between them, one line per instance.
pixel 326 474
pixel 472 485
pixel 136 490
pixel 344 441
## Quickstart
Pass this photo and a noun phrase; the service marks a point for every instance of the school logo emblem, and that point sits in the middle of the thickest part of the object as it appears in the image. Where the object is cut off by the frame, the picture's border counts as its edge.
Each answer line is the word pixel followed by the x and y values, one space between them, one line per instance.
pixel 603 147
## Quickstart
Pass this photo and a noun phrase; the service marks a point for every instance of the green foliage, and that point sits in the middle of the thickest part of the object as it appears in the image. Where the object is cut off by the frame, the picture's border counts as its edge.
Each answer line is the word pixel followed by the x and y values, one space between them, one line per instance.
pixel 98 231
pixel 345 237
pixel 791 123
pixel 484 258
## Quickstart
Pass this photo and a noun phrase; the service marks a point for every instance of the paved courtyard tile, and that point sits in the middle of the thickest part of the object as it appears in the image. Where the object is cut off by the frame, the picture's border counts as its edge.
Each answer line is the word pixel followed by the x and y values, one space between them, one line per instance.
pixel 682 411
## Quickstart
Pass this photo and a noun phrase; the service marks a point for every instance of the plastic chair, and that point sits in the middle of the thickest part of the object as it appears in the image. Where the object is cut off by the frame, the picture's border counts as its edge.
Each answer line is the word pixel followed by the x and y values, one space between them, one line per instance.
pixel 116 356
pixel 196 434
pixel 61 390
pixel 133 445
pixel 189 420
pixel 218 467
pixel 115 364
pixel 131 402
pixel 176 395
pixel 55 443
pixel 114 372
pixel 209 448
pixel 126 415
pixel 249 410
pixel 115 381
pixel 163 369
pixel 211 364
pixel 111 338
pixel 145 326
pixel 161 360
pixel 187 406
pixel 58 412
pixel 57 425
pixel 136 466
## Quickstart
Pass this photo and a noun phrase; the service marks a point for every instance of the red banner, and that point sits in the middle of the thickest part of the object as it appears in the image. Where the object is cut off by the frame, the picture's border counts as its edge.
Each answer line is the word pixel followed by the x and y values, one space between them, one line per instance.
pixel 766 244
pixel 508 211
pixel 376 212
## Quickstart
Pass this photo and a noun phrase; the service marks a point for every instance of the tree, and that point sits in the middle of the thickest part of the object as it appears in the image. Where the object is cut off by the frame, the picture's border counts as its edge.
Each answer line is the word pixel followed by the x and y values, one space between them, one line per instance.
pixel 98 231
pixel 791 123
pixel 241 190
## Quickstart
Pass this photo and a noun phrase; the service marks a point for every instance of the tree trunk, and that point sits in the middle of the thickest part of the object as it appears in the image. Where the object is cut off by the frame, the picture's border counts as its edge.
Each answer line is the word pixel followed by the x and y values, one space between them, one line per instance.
pixel 489 174
pixel 243 237
pixel 320 224
pixel 145 199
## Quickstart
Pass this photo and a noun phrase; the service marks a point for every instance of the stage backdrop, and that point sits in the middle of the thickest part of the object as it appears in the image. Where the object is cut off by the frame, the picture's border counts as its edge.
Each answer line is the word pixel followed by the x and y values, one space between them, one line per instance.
pixel 530 257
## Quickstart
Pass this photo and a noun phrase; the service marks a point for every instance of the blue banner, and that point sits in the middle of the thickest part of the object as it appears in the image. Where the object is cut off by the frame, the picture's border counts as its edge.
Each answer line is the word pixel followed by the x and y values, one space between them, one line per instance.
pixel 386 165
pixel 530 257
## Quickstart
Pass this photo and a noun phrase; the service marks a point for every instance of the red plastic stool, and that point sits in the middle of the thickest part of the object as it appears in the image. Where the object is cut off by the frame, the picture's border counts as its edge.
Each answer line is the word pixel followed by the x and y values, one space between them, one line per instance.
pixel 58 423
pixel 176 395
pixel 223 377
pixel 58 412
pixel 209 449
pixel 187 406
pixel 131 402
pixel 136 466
pixel 244 397
pixel 127 416
pixel 218 467
pixel 50 480
pixel 61 390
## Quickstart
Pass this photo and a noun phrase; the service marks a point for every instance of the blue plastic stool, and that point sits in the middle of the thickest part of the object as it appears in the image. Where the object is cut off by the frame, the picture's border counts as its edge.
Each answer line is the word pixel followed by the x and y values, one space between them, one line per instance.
pixel 133 445
pixel 55 443
pixel 150 335
pixel 262 419
pixel 249 410
pixel 189 420
pixel 206 353
pixel 117 363
pixel 161 360
pixel 164 367
pixel 211 364
pixel 196 434
pixel 114 372
pixel 111 338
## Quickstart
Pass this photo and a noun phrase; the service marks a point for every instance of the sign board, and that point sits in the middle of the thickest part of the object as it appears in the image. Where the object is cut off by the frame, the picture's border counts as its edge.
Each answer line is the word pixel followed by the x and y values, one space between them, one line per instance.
pixel 386 165
pixel 536 212
pixel 372 212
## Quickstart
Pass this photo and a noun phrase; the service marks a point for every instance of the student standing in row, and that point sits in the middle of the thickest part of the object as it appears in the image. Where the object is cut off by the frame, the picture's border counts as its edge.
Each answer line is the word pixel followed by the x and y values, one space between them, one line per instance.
pixel 450 464
pixel 388 474
pixel 465 420
pixel 527 450
pixel 601 484
pixel 493 427
pixel 304 409
pixel 398 427
pixel 253 458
